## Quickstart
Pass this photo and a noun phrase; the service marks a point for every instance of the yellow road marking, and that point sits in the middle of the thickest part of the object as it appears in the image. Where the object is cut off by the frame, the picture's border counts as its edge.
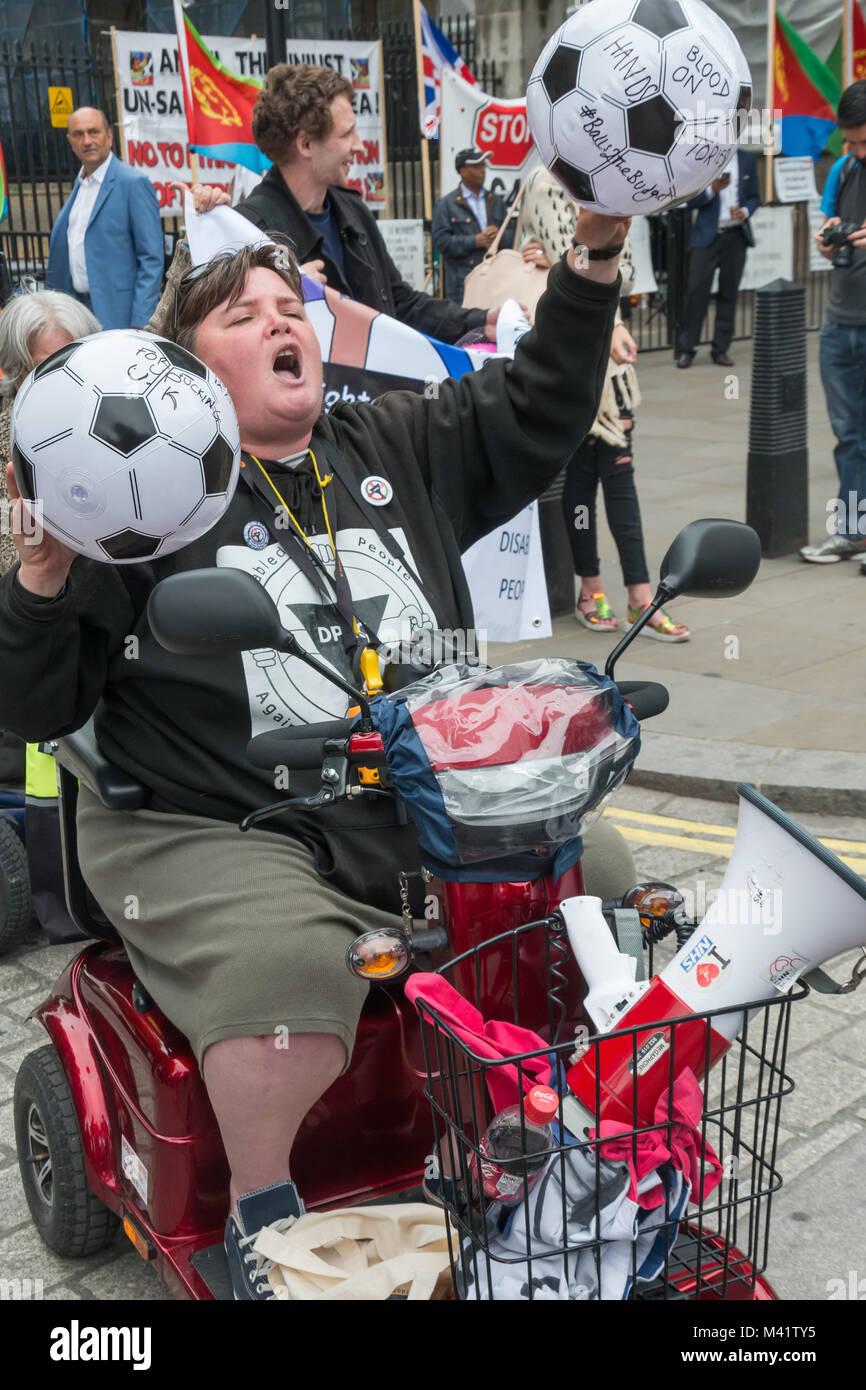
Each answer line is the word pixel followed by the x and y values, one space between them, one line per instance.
pixel 695 844
pixel 729 831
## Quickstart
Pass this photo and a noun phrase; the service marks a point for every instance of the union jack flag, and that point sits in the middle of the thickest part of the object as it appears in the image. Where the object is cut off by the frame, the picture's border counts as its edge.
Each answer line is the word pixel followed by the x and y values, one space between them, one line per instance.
pixel 436 53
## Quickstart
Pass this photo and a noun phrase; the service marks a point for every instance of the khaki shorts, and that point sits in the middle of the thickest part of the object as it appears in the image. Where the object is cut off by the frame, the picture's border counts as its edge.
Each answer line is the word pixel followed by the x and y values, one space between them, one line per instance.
pixel 233 935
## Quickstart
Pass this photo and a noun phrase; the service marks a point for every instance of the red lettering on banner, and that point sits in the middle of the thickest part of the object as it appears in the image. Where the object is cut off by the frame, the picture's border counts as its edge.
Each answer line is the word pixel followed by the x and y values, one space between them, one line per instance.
pixel 141 152
pixel 371 153
pixel 503 130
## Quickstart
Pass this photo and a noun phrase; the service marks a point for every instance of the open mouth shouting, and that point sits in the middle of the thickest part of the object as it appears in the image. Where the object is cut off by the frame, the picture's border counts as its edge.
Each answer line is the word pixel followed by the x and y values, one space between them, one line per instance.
pixel 287 364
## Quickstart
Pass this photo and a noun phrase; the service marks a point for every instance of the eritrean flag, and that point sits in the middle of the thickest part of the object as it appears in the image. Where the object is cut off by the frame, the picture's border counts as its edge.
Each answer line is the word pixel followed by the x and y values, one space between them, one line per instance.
pixel 806 92
pixel 219 104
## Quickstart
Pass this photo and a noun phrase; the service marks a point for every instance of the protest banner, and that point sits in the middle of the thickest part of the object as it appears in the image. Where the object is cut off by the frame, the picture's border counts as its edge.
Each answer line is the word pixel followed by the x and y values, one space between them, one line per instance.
pixel 361 63
pixel 151 109
pixel 495 125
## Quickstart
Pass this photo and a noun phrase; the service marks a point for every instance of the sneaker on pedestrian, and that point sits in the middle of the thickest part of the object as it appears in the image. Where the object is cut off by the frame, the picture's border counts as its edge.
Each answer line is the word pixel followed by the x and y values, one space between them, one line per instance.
pixel 278 1206
pixel 832 550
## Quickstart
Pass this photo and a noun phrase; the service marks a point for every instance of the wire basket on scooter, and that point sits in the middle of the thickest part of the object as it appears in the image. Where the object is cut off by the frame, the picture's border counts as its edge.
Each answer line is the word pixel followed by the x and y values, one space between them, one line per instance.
pixel 654 1194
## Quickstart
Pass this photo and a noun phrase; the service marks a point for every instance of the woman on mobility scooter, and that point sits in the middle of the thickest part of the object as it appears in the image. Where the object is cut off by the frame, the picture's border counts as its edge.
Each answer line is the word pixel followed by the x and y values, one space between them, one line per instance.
pixel 202 908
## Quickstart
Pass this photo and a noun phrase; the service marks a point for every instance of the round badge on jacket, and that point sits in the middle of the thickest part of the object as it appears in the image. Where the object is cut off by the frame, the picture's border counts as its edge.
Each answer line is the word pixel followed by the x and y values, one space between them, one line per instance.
pixel 256 535
pixel 377 491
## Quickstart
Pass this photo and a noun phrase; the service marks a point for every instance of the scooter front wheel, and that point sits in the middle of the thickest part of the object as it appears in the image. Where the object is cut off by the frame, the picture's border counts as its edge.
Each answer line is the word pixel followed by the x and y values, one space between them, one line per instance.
pixel 69 1217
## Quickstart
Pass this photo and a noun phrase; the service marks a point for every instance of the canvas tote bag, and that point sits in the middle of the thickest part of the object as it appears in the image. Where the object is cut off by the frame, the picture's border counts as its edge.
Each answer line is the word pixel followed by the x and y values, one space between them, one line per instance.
pixel 505 274
pixel 361 1253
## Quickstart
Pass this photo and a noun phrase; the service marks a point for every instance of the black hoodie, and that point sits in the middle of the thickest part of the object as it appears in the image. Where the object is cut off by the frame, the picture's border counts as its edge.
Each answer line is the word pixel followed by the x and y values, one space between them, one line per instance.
pixel 457 467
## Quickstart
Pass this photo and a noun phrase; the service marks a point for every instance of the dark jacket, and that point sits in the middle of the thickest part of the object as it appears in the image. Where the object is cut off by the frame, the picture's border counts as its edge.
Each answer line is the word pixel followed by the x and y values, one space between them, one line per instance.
pixel 371 276
pixel 708 203
pixel 459 466
pixel 454 230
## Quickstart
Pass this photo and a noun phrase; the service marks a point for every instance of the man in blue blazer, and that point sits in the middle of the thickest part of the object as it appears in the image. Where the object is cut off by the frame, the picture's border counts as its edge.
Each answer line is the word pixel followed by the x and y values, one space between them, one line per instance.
pixel 107 245
pixel 720 238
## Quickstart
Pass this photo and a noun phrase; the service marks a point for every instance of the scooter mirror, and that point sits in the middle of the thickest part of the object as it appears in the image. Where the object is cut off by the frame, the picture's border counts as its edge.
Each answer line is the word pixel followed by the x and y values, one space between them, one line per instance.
pixel 205 612
pixel 713 558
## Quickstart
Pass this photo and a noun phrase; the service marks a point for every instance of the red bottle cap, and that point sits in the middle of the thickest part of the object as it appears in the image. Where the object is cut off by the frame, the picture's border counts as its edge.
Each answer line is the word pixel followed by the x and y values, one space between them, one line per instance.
pixel 541 1105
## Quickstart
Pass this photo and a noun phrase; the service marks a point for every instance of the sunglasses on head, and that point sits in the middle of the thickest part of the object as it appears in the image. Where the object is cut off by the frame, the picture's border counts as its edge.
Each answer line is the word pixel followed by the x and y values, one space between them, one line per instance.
pixel 283 260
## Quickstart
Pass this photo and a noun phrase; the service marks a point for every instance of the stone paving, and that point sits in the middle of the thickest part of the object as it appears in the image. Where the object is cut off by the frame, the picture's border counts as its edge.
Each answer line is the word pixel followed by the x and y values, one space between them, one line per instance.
pixel 818 1229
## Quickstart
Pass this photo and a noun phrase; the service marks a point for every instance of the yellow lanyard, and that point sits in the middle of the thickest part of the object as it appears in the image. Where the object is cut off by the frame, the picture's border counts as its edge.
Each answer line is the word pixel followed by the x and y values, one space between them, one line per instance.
pixel 323 483
pixel 369 661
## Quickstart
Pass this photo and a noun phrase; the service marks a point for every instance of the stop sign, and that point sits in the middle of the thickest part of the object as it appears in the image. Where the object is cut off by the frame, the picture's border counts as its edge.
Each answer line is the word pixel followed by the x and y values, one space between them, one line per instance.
pixel 501 128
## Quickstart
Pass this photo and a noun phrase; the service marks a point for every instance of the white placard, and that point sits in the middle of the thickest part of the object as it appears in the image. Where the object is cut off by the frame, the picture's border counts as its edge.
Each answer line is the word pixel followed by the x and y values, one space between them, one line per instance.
pixel 152 113
pixel 404 239
pixel 359 62
pixel 772 256
pixel 506 578
pixel 644 275
pixel 794 180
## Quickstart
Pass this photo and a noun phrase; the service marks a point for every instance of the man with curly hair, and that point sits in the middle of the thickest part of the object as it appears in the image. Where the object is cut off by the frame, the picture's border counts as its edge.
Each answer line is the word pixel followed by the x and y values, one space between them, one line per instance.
pixel 304 122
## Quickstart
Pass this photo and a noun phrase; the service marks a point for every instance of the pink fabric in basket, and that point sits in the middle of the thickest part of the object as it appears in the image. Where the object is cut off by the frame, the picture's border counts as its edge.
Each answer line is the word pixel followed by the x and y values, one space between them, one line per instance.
pixel 650 1149
pixel 493 1040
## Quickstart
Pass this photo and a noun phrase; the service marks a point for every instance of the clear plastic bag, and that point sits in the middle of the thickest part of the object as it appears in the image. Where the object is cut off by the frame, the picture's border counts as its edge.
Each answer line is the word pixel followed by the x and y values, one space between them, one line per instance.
pixel 521 756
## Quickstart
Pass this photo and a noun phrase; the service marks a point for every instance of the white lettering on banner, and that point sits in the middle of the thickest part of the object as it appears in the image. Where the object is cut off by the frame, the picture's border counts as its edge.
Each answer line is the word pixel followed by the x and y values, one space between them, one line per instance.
pixel 153 119
pixel 505 571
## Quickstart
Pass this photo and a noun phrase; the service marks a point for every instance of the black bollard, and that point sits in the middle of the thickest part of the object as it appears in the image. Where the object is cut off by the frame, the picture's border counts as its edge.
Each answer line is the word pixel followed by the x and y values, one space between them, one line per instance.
pixel 777 500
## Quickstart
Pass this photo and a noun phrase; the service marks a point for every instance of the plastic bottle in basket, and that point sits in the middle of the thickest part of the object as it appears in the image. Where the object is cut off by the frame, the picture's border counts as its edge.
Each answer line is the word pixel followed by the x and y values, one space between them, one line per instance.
pixel 515 1154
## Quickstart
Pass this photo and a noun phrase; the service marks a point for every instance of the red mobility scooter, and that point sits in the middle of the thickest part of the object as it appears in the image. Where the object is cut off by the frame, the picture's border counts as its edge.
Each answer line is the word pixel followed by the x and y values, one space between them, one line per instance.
pixel 112 1118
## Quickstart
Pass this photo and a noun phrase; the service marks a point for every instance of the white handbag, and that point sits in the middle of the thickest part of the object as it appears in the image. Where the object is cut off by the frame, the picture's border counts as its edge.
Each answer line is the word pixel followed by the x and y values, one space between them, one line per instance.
pixel 505 274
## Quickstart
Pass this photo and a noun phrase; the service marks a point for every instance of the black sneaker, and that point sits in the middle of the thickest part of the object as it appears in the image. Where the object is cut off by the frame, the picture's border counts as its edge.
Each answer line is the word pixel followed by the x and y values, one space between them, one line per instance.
pixel 279 1206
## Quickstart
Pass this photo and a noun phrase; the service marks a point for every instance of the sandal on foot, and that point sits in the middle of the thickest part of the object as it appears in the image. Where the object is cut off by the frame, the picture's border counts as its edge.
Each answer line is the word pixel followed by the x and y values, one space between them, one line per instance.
pixel 603 619
pixel 663 629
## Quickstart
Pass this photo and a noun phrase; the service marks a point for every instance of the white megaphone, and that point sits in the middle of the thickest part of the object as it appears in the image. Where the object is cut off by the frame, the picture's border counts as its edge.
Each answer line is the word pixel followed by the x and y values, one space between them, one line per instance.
pixel 786 905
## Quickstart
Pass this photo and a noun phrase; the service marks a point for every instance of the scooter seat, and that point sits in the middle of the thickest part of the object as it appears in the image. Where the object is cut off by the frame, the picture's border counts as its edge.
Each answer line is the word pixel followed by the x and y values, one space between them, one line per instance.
pixel 82 756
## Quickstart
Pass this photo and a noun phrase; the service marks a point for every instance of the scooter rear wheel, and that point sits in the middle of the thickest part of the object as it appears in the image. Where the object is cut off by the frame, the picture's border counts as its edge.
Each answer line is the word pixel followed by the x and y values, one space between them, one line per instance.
pixel 14 888
pixel 69 1217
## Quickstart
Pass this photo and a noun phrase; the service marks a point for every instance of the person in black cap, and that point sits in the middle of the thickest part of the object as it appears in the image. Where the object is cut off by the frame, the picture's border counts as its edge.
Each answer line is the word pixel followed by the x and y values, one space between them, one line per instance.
pixel 466 221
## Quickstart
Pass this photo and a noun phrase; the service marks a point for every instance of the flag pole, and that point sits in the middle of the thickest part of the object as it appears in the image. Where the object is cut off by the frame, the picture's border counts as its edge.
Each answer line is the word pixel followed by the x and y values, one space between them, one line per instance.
pixel 425 149
pixel 183 65
pixel 771 95
pixel 848 43
pixel 121 129
pixel 384 118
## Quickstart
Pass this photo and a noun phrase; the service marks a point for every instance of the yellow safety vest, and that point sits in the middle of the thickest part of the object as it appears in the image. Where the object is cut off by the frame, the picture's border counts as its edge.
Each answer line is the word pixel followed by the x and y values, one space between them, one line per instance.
pixel 40 776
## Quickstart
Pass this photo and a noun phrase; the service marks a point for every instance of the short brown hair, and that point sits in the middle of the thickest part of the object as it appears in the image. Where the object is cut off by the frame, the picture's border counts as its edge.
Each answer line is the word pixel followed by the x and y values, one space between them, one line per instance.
pixel 223 282
pixel 296 99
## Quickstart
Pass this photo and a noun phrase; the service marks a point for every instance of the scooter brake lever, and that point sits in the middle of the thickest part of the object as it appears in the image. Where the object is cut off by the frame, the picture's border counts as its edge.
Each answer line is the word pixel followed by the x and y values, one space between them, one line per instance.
pixel 335 771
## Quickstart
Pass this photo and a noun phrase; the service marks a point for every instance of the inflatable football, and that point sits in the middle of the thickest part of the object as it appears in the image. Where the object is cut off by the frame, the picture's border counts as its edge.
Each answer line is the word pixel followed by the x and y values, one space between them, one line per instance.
pixel 638 104
pixel 129 445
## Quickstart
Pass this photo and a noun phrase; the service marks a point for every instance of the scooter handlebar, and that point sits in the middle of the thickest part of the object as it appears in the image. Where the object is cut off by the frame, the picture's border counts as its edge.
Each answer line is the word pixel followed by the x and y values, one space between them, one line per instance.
pixel 647 698
pixel 299 748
